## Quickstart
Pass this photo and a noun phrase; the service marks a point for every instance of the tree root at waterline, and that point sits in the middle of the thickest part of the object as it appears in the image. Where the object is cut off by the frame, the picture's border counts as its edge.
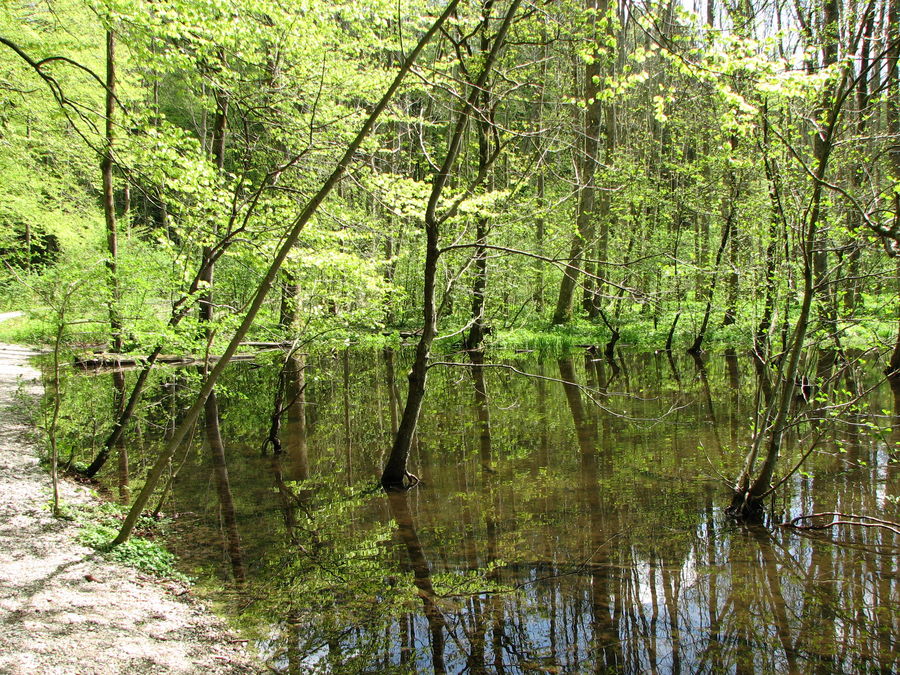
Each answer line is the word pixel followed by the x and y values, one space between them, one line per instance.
pixel 745 507
pixel 411 481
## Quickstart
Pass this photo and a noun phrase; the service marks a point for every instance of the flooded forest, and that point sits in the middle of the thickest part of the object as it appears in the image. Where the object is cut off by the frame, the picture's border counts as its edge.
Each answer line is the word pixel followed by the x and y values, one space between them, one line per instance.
pixel 474 336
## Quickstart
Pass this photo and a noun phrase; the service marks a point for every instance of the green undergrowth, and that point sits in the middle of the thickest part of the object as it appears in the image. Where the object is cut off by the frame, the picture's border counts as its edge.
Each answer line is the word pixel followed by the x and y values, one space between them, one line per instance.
pixel 98 525
pixel 636 333
pixel 639 336
pixel 25 330
pixel 642 336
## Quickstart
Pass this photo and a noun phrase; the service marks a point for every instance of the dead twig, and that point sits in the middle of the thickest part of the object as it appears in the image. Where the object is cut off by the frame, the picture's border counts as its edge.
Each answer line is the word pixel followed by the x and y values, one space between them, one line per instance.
pixel 839 518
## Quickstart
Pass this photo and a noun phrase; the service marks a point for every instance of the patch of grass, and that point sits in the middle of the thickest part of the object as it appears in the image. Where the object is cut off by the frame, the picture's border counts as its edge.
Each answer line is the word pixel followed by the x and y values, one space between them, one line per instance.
pixel 551 340
pixel 98 526
pixel 25 329
pixel 869 332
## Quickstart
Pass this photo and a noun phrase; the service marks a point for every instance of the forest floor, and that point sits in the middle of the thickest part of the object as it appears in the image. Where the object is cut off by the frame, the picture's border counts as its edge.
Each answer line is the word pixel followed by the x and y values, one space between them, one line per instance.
pixel 63 608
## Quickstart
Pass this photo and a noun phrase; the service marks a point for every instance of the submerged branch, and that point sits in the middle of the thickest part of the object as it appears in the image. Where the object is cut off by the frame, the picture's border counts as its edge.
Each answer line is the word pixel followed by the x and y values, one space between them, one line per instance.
pixel 839 518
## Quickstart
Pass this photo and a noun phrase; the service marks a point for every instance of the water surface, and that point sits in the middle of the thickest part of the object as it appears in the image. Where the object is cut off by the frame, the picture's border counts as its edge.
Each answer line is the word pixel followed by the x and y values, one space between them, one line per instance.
pixel 567 522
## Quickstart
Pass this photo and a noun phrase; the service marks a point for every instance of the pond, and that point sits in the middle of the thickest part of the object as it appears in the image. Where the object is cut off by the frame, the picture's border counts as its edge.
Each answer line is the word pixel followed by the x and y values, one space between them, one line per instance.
pixel 570 517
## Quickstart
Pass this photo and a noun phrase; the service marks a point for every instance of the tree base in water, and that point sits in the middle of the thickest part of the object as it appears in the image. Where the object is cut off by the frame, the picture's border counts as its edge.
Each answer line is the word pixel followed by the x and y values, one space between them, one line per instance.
pixel 745 508
pixel 405 482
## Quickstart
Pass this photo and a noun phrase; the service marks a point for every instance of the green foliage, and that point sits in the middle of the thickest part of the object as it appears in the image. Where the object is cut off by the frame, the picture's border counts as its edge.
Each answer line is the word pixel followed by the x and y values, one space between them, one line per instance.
pixel 98 525
pixel 27 330
pixel 685 149
pixel 695 207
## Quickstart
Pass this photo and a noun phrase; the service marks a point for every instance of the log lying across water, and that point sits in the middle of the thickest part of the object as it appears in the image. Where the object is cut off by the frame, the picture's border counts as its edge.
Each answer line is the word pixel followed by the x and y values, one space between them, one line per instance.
pixel 107 360
pixel 132 361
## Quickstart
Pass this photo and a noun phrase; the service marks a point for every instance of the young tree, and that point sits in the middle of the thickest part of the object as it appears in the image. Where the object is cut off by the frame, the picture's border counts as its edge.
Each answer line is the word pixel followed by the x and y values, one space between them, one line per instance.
pixel 587 161
pixel 396 475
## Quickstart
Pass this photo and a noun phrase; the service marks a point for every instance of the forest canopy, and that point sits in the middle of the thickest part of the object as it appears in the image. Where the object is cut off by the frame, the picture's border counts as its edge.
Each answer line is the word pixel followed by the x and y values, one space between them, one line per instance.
pixel 631 169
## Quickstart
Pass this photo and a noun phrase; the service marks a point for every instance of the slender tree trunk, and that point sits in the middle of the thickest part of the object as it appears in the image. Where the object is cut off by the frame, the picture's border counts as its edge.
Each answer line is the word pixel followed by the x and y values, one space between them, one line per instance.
pixel 475 338
pixel 390 270
pixel 893 369
pixel 733 277
pixel 893 123
pixel 208 266
pixel 288 310
pixel 118 378
pixel 857 175
pixel 540 197
pixel 592 301
pixel 206 309
pixel 126 206
pixel 204 277
pixel 584 221
pixel 112 251
pixel 483 412
pixel 750 490
pixel 824 288
pixel 406 530
pixel 223 488
pixel 776 221
pixel 697 345
pixel 295 444
pixel 395 471
pixel 109 200
pixel 747 502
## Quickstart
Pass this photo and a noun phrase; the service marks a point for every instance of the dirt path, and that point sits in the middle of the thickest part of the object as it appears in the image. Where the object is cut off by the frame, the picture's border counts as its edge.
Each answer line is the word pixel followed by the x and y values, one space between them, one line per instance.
pixel 65 610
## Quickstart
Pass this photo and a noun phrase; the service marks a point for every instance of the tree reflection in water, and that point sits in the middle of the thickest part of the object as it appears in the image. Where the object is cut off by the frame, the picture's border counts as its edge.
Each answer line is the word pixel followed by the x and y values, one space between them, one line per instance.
pixel 553 531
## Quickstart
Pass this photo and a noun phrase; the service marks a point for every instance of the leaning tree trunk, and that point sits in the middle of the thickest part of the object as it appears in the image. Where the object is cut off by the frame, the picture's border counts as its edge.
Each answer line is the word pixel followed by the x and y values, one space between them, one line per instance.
pixel 268 280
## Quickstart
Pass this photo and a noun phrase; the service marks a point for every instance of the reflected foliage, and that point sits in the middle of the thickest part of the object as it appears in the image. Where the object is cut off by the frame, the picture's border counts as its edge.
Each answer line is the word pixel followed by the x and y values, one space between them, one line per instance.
pixel 569 526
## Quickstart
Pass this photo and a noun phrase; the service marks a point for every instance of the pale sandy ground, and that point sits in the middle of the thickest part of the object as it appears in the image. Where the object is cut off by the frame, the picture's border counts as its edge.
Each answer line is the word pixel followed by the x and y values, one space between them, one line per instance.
pixel 65 610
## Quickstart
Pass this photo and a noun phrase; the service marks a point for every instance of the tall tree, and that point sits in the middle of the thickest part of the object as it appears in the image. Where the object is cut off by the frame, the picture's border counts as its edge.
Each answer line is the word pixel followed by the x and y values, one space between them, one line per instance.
pixel 587 159
pixel 289 240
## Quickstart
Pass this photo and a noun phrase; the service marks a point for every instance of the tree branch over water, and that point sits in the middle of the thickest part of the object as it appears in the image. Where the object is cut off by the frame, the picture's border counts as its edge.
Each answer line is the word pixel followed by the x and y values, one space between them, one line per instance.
pixel 839 518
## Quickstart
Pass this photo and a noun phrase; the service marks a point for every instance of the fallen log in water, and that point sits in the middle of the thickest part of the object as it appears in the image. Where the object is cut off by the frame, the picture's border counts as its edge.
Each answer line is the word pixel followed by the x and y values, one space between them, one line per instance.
pixel 111 360
pixel 124 361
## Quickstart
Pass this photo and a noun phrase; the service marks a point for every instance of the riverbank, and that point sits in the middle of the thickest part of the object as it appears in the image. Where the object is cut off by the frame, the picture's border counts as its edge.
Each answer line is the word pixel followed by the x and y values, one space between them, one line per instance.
pixel 63 608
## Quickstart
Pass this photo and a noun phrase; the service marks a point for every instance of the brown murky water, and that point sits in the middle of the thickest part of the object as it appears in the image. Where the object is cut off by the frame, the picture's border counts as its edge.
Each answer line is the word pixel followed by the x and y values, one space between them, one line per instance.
pixel 557 529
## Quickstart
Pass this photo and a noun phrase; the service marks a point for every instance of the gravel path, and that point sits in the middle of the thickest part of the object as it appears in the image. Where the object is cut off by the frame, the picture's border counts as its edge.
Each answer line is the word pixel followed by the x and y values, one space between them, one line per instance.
pixel 63 608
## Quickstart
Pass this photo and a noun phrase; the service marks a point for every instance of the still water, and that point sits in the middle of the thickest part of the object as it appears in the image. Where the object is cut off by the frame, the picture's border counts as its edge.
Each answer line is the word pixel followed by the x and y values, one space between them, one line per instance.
pixel 569 519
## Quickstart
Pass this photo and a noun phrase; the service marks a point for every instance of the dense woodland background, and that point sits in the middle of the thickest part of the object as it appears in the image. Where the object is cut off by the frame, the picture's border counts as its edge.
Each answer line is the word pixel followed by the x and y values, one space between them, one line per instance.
pixel 666 162
pixel 578 181
pixel 544 173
